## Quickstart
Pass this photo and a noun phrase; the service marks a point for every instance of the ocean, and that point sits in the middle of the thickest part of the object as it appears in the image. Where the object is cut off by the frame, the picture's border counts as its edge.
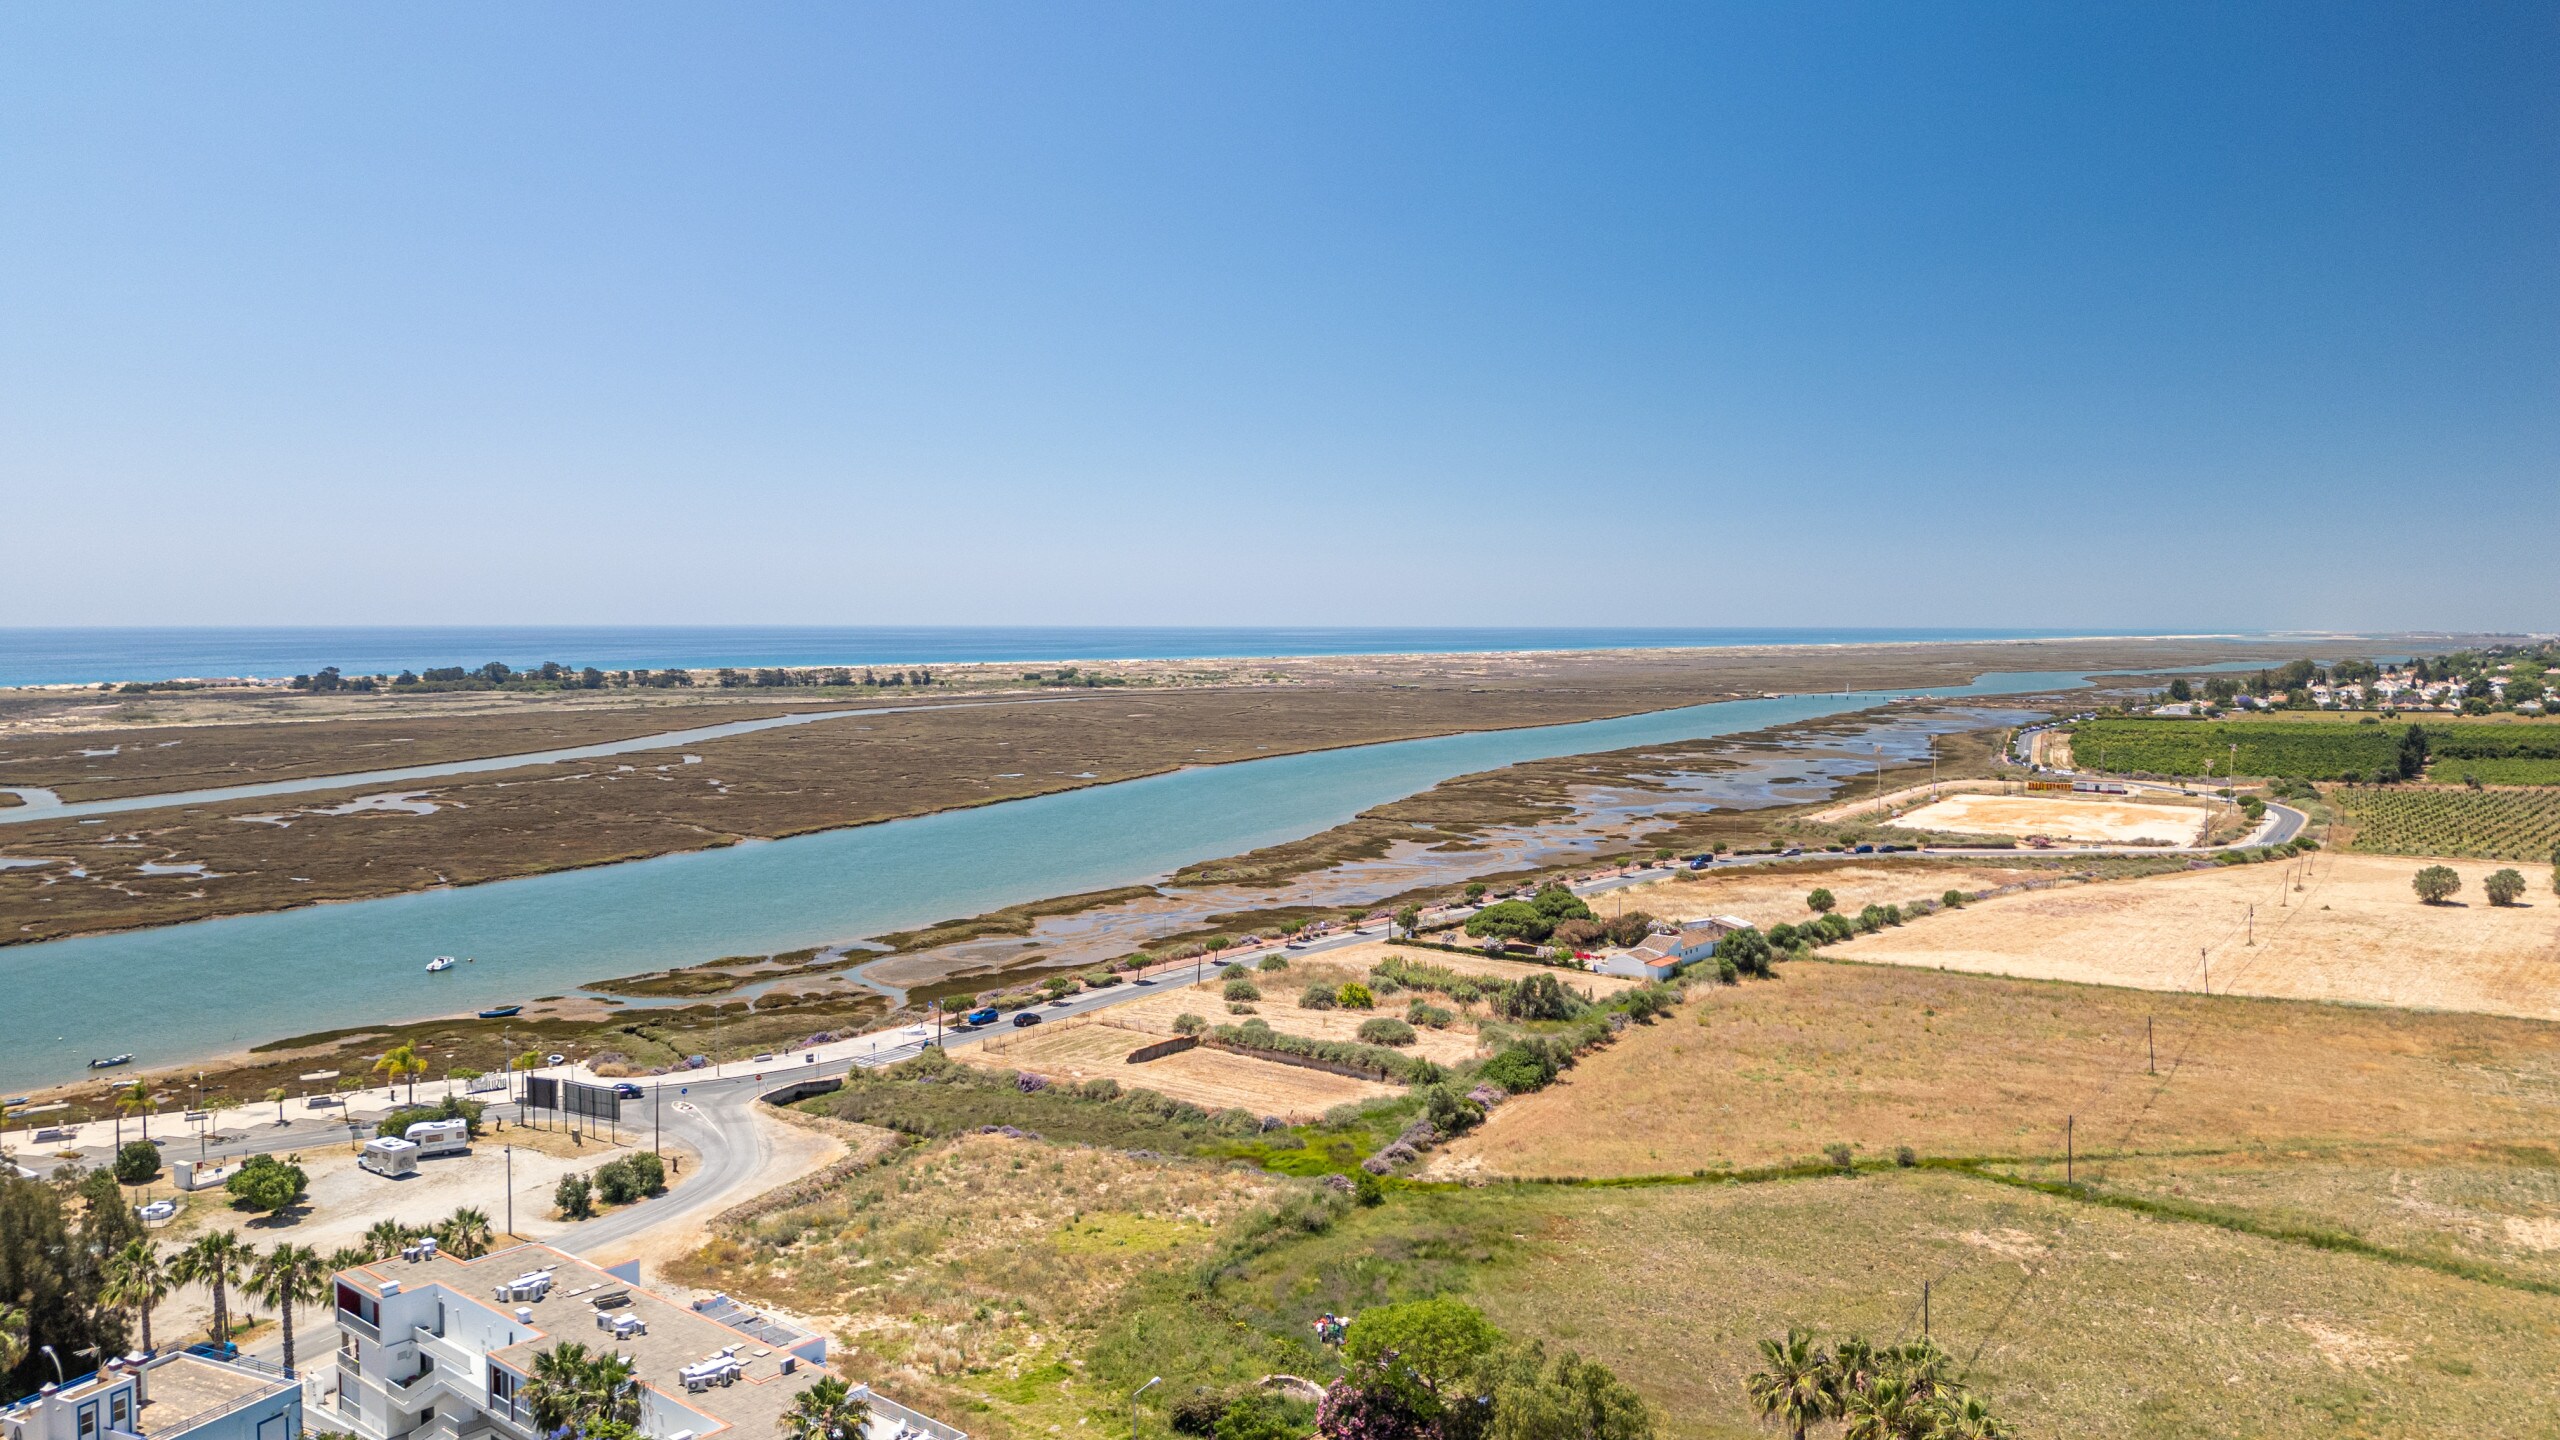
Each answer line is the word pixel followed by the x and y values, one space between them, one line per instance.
pixel 96 655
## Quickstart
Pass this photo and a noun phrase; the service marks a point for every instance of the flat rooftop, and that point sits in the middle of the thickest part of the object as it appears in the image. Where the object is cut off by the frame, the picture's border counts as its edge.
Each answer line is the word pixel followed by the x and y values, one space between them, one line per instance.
pixel 677 1336
pixel 178 1388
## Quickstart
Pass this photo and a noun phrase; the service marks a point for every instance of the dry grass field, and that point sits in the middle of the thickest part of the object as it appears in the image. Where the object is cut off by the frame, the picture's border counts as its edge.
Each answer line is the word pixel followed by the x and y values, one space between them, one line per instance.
pixel 1354 961
pixel 1768 894
pixel 1279 1006
pixel 2102 822
pixel 2073 1321
pixel 1210 1079
pixel 1963 1065
pixel 960 1278
pixel 2328 927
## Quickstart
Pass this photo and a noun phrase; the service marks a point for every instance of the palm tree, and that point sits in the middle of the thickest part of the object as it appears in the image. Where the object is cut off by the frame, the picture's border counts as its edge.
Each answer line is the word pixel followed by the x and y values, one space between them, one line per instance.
pixel 613 1394
pixel 466 1233
pixel 285 1276
pixel 1886 1408
pixel 558 1391
pixel 134 1101
pixel 826 1411
pixel 403 1063
pixel 276 1098
pixel 138 1279
pixel 386 1239
pixel 1853 1368
pixel 1969 1419
pixel 216 1260
pixel 1799 1389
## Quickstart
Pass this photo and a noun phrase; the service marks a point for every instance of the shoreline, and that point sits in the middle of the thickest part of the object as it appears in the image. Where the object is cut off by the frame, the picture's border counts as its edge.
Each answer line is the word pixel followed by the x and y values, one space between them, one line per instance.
pixel 244 680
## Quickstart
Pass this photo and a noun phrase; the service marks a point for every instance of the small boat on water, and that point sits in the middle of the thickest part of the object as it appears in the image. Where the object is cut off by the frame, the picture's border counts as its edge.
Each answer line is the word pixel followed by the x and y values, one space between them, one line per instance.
pixel 500 1012
pixel 441 962
pixel 111 1062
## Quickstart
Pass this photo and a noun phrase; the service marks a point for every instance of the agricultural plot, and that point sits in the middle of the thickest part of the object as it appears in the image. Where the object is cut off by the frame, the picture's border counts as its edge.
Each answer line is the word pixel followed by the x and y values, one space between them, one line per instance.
pixel 2482 824
pixel 2326 927
pixel 2453 770
pixel 1875 1057
pixel 2304 750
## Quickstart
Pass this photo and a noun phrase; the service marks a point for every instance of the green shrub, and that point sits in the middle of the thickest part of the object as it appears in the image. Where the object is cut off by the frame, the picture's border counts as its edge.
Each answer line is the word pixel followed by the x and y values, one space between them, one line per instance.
pixel 138 1161
pixel 1383 1031
pixel 1188 1024
pixel 452 1107
pixel 1383 1063
pixel 1423 1013
pixel 265 1183
pixel 1273 963
pixel 1517 1069
pixel 635 1176
pixel 1354 996
pixel 574 1196
pixel 1243 989
pixel 1316 997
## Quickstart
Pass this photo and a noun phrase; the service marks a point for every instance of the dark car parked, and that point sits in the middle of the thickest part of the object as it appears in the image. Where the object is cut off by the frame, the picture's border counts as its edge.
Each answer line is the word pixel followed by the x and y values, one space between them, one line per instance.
pixel 1024 1018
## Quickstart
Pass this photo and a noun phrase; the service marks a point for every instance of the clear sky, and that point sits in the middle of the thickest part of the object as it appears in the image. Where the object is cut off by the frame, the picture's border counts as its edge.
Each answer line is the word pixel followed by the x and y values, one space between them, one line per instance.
pixel 2122 315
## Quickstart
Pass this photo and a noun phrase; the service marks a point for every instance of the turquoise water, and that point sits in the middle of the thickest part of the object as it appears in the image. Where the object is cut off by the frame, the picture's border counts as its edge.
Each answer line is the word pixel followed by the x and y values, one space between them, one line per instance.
pixel 193 991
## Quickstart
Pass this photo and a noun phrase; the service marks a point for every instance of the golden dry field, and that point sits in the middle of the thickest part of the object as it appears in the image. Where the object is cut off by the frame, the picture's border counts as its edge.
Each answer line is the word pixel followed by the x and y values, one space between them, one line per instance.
pixel 1768 894
pixel 2326 927
pixel 1953 1064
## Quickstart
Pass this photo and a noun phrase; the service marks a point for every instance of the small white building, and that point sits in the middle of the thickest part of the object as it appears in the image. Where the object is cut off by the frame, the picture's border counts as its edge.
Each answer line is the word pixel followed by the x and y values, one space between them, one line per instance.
pixel 1663 954
pixel 389 1157
pixel 178 1396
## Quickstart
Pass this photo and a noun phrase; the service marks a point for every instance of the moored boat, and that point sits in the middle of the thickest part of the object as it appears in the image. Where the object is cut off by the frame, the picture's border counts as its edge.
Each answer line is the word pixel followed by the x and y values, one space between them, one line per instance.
pixel 441 962
pixel 112 1062
pixel 500 1012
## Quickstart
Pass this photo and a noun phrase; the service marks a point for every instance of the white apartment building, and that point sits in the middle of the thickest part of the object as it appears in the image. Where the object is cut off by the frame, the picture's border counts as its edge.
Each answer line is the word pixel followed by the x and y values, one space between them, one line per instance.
pixel 181 1395
pixel 434 1348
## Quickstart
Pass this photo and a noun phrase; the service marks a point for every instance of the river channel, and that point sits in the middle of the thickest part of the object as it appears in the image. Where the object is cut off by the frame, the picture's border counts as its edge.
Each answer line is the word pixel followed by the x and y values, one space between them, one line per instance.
pixel 199 990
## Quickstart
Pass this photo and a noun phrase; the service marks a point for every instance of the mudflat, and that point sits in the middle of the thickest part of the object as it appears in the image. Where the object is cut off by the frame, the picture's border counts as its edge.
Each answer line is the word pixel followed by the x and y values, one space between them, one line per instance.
pixel 162 867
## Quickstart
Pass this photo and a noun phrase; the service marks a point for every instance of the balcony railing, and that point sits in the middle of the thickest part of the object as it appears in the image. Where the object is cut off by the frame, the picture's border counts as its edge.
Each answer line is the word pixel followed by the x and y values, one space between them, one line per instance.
pixel 350 1320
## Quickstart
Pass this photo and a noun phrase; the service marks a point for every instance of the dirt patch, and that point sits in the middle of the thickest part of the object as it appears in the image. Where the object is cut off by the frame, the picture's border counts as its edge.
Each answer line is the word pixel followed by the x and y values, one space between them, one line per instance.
pixel 2100 822
pixel 1767 895
pixel 1210 1079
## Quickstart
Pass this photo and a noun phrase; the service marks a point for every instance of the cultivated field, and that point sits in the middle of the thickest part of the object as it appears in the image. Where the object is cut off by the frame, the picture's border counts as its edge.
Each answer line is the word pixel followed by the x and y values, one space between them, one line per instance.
pixel 2103 822
pixel 2491 824
pixel 1959 1065
pixel 2326 927
pixel 1210 1079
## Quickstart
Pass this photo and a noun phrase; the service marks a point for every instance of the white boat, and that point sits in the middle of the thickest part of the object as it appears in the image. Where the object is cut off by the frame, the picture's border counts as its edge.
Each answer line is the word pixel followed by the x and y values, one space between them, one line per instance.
pixel 441 962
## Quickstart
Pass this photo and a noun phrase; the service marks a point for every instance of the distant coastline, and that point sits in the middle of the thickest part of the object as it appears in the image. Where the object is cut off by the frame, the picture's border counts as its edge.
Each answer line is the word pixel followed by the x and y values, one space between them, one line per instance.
pixel 100 655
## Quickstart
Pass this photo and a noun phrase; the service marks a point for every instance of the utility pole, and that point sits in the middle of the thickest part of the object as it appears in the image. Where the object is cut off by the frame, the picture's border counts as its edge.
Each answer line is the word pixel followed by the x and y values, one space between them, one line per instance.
pixel 1924 1309
pixel 654 1130
pixel 2150 1045
pixel 2068 1123
pixel 2253 925
pixel 2206 956
pixel 511 1189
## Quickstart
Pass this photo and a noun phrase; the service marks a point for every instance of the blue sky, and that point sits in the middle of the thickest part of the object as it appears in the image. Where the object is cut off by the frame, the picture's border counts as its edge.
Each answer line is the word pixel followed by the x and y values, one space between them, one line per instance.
pixel 2039 315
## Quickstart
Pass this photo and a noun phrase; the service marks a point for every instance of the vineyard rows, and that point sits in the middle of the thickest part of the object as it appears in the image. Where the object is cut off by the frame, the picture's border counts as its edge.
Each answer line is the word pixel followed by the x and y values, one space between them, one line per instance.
pixel 2475 824
pixel 2496 772
pixel 2308 751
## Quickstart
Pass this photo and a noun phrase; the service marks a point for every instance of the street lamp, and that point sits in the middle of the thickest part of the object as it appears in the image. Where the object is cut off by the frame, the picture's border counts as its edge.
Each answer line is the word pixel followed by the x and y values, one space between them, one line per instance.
pixel 1133 1398
pixel 58 1380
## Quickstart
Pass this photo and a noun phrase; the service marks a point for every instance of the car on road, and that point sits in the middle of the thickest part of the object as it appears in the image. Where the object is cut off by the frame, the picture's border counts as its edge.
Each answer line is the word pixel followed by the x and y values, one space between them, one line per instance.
pixel 626 1090
pixel 985 1016
pixel 557 1060
pixel 1025 1018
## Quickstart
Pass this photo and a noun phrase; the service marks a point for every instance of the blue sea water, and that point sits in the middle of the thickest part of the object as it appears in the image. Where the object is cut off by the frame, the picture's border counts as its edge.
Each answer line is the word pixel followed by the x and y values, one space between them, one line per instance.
pixel 93 655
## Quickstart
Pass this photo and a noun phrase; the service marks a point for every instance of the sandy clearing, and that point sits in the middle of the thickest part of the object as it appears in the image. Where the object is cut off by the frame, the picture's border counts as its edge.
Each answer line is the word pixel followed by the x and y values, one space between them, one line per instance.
pixel 1279 1007
pixel 2105 822
pixel 2352 932
pixel 1767 895
pixel 1361 957
pixel 1212 1079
